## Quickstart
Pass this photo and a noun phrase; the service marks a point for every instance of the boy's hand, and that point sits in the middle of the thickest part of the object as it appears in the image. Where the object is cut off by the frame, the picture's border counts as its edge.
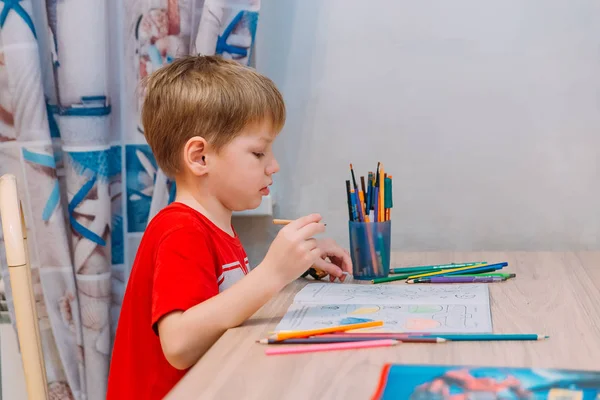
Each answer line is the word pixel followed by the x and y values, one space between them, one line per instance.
pixel 339 260
pixel 294 250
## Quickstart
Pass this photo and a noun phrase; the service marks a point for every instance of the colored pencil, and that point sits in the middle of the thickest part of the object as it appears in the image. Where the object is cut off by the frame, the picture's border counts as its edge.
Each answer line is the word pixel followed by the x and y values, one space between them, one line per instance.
pixel 372 194
pixel 385 335
pixel 455 270
pixel 484 269
pixel 389 203
pixel 479 270
pixel 433 267
pixel 450 272
pixel 376 205
pixel 368 193
pixel 445 271
pixel 312 332
pixel 340 339
pixel 354 206
pixel 284 221
pixel 350 214
pixel 381 193
pixel 490 336
pixel 501 275
pixel 353 178
pixel 458 279
pixel 356 199
pixel 376 196
pixel 330 347
pixel 390 278
pixel 363 210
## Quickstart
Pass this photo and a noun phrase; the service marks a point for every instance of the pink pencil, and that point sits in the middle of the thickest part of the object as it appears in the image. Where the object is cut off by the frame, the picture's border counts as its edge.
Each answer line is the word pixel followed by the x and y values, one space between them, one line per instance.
pixel 328 347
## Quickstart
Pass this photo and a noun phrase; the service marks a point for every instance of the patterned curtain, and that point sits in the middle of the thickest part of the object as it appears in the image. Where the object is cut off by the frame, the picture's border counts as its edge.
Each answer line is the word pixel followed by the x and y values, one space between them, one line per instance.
pixel 70 132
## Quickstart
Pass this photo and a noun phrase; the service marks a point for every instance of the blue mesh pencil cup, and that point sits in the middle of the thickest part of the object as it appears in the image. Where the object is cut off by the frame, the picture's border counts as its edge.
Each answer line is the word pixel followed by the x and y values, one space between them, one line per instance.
pixel 370 244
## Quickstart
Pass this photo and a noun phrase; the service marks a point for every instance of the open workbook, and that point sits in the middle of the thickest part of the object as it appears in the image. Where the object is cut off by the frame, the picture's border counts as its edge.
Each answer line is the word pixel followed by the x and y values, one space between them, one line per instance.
pixel 452 308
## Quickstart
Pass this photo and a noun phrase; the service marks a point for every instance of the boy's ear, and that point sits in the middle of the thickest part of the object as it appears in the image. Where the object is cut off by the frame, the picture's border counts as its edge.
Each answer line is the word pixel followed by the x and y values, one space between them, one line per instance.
pixel 194 155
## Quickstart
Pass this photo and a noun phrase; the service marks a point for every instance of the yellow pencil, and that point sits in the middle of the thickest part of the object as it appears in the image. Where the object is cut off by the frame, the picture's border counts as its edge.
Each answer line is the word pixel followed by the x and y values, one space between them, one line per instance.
pixel 444 271
pixel 312 332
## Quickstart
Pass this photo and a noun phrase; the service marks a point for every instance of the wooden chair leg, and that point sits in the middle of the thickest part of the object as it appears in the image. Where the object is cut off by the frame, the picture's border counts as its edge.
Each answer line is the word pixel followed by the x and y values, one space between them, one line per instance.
pixel 15 241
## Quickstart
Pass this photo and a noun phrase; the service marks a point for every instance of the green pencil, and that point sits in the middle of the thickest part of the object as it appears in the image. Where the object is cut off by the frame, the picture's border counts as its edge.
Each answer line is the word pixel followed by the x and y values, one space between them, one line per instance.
pixel 433 267
pixel 393 278
pixel 482 275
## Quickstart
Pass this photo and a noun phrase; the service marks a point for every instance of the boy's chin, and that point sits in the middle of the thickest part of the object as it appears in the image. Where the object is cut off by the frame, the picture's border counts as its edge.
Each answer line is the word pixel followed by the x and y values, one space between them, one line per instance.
pixel 249 205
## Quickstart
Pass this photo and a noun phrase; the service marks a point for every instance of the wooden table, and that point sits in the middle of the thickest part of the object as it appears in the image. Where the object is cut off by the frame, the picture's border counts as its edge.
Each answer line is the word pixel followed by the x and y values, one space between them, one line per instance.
pixel 557 294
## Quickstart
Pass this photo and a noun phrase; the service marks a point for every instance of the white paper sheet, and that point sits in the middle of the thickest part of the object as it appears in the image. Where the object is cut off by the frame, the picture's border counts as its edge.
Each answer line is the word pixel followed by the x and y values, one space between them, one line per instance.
pixel 453 308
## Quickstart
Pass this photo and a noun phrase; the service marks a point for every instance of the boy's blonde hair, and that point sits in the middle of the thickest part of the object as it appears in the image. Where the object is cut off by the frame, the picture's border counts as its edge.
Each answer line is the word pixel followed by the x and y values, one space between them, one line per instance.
pixel 204 96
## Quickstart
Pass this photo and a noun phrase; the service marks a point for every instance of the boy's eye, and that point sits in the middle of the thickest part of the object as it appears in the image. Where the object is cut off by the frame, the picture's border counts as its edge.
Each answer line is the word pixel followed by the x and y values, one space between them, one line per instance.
pixel 259 155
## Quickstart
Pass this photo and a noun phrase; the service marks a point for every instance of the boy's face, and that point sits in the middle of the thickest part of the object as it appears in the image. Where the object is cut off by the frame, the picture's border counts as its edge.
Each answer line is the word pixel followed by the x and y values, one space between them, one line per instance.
pixel 241 172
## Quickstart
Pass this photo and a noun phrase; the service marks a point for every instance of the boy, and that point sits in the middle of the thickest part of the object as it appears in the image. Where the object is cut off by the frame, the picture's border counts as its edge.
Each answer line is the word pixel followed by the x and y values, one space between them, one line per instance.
pixel 211 125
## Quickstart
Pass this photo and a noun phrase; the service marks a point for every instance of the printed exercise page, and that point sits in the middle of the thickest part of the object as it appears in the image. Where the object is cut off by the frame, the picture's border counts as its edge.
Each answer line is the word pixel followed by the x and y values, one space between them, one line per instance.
pixel 452 308
pixel 326 293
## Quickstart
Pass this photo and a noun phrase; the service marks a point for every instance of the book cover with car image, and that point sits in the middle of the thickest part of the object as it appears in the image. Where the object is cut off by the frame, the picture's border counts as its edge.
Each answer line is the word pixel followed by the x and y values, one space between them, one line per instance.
pixel 447 382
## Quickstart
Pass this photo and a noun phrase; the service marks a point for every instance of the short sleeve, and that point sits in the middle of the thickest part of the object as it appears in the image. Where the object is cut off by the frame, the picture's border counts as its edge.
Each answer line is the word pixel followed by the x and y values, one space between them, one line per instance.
pixel 184 273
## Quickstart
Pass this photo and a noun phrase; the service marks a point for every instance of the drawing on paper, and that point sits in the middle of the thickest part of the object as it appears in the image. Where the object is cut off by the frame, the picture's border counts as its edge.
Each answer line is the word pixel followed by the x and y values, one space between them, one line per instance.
pixel 455 318
pixel 439 308
pixel 385 294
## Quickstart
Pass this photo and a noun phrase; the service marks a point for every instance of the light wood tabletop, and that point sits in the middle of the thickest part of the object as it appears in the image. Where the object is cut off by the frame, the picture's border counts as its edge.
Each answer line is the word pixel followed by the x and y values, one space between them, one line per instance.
pixel 556 294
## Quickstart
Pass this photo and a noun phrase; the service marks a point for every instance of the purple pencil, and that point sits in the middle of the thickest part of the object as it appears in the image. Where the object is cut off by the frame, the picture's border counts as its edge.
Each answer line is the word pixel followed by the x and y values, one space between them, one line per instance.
pixel 458 279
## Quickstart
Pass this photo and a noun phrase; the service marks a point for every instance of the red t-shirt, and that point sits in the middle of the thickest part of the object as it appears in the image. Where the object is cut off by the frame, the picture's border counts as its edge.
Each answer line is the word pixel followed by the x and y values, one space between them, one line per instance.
pixel 183 259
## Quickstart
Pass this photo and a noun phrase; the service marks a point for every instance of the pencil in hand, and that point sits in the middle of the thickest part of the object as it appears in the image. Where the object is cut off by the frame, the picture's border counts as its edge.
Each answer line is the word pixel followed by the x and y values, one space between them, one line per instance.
pixel 281 221
pixel 284 221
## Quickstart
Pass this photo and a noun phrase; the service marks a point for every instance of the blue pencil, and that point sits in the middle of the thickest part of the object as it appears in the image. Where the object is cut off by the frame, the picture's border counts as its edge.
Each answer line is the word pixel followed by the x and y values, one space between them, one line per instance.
pixel 483 268
pixel 488 336
pixel 354 205
pixel 368 194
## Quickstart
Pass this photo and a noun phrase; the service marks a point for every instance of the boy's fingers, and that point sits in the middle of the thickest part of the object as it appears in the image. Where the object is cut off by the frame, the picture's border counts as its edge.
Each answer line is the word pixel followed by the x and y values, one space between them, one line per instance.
pixel 303 221
pixel 330 268
pixel 310 244
pixel 310 230
pixel 316 255
pixel 340 257
pixel 346 262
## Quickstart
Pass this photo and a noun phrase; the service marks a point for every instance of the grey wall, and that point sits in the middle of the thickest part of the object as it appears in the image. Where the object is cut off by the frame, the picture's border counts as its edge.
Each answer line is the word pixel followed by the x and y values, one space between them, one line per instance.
pixel 486 114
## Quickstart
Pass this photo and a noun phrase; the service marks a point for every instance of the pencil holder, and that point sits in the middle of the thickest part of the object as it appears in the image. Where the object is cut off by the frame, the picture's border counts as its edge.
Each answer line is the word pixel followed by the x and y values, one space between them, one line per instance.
pixel 370 249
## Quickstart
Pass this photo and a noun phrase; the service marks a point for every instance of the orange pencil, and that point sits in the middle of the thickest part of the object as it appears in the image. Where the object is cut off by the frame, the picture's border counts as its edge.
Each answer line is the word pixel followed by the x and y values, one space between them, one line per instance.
pixel 312 332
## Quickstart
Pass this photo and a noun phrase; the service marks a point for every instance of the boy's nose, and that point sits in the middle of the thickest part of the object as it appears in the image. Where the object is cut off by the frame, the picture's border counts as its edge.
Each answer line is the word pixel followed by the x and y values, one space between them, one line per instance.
pixel 273 167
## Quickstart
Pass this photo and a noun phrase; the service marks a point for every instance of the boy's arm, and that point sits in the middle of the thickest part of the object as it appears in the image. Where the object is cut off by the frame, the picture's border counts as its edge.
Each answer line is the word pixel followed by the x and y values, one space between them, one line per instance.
pixel 186 335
